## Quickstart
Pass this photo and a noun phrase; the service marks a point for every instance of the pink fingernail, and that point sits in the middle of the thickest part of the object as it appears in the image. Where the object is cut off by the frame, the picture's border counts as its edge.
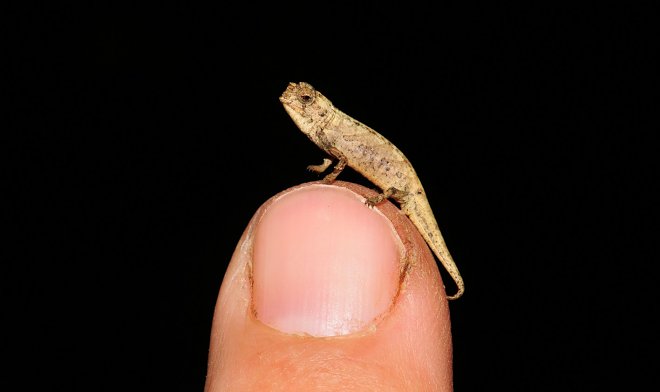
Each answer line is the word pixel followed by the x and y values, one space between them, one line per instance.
pixel 324 264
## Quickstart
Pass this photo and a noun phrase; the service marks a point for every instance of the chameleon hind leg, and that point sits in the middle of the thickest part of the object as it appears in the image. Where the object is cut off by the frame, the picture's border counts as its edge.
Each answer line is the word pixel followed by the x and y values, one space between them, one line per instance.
pixel 394 193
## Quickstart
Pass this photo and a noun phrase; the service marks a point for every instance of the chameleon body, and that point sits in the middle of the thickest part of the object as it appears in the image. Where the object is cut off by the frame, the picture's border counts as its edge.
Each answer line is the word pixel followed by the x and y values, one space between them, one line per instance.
pixel 354 144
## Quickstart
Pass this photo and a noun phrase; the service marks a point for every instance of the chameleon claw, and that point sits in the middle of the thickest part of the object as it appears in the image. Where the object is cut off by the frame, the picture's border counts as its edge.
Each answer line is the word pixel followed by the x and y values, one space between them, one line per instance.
pixel 320 168
pixel 371 202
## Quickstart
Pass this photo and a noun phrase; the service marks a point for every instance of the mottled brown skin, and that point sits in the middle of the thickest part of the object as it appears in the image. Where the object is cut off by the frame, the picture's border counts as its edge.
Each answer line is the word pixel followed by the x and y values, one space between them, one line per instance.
pixel 369 153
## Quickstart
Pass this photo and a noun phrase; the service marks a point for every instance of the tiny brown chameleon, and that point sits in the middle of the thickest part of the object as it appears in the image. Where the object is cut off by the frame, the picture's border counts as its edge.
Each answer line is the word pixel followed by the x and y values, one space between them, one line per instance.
pixel 354 144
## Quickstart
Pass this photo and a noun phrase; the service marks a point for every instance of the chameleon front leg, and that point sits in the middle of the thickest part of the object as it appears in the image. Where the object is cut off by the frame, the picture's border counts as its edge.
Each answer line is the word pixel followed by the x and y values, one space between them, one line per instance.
pixel 394 193
pixel 339 167
pixel 320 168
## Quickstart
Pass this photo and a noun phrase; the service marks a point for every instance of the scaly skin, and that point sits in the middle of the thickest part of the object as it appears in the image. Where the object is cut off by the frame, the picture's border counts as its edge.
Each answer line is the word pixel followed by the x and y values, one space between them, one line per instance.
pixel 370 154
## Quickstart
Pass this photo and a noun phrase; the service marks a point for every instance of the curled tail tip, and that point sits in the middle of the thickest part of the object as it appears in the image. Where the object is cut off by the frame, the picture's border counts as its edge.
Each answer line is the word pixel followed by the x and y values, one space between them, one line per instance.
pixel 458 294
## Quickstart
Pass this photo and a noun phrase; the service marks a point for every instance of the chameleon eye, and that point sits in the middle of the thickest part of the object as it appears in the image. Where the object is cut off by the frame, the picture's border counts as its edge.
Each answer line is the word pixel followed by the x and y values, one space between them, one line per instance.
pixel 306 99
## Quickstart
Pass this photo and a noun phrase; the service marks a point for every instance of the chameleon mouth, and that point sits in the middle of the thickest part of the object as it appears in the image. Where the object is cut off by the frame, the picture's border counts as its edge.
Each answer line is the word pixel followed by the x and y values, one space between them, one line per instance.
pixel 289 94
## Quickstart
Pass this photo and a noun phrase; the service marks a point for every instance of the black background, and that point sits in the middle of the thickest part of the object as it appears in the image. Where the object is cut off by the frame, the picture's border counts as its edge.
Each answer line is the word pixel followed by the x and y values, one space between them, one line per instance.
pixel 142 139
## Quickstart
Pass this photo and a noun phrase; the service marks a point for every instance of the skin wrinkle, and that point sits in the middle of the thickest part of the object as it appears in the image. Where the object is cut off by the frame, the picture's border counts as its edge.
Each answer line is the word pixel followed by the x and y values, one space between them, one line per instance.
pixel 297 361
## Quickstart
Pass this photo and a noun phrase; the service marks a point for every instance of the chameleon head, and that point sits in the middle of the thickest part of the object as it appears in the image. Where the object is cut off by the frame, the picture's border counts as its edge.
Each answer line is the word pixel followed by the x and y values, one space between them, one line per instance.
pixel 308 108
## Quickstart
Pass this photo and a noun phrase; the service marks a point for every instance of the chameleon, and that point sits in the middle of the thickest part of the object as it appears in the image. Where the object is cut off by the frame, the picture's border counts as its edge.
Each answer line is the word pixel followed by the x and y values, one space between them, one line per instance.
pixel 352 143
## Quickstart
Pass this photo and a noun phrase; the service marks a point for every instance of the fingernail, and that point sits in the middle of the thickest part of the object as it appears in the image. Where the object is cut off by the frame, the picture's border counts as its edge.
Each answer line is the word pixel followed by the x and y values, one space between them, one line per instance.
pixel 324 264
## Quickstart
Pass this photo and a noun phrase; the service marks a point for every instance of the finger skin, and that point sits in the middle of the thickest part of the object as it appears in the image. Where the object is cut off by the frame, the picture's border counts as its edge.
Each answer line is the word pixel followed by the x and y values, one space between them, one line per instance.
pixel 407 349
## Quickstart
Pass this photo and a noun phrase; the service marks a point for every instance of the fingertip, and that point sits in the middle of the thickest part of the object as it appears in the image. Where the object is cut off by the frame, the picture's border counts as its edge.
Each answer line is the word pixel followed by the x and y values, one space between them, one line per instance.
pixel 299 296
